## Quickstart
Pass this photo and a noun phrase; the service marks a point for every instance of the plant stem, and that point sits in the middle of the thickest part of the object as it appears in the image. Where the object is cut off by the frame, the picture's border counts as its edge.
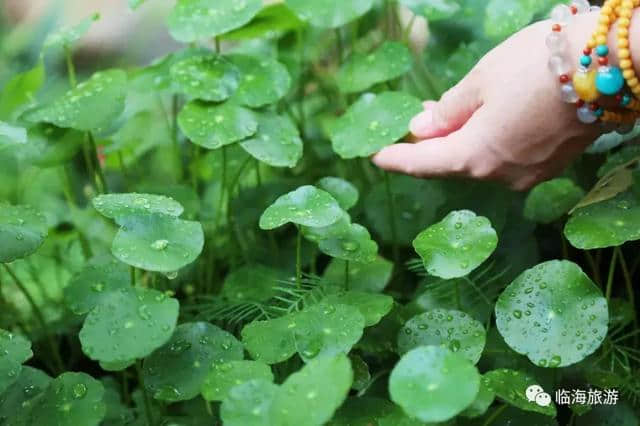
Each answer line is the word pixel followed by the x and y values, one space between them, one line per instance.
pixel 612 270
pixel 629 285
pixel 339 45
pixel 494 415
pixel 103 182
pixel 174 133
pixel 223 185
pixel 595 270
pixel 145 395
pixel 133 276
pixel 391 203
pixel 346 275
pixel 71 69
pixel 39 316
pixel 258 177
pixel 299 258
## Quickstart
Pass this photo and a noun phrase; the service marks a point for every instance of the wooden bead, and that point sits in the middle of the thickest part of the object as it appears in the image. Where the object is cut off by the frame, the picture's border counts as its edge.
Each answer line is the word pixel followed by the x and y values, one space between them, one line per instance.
pixel 625 64
pixel 623 43
pixel 623 32
pixel 628 74
pixel 624 54
pixel 624 22
pixel 601 39
pixel 633 82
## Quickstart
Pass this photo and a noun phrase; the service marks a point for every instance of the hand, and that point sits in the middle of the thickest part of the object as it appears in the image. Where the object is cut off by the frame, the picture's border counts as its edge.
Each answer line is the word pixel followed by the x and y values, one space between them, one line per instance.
pixel 504 121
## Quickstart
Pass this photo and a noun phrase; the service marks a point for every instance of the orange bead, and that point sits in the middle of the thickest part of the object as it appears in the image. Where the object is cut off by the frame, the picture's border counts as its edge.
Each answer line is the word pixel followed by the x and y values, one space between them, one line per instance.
pixel 624 54
pixel 625 63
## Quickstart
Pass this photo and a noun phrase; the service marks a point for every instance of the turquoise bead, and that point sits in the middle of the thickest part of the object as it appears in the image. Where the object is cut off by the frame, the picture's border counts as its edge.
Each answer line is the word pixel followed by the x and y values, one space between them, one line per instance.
pixel 609 81
pixel 585 61
pixel 602 50
pixel 626 100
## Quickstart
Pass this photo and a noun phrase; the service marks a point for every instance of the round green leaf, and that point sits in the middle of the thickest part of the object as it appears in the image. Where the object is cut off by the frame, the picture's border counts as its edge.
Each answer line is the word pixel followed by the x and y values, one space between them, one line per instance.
pixel 329 13
pixel 277 142
pixel 373 122
pixel 249 404
pixel 14 350
pixel 223 377
pixel 117 366
pixel 551 200
pixel 29 384
pixel 433 384
pixel 553 313
pixel 372 306
pixel 361 71
pixel 433 10
pixel 310 396
pixel 213 126
pixel 345 193
pixel 176 371
pixel 128 324
pixel 326 330
pixel 115 206
pixel 67 36
pixel 307 205
pixel 251 283
pixel 370 277
pixel 344 240
pixel 607 224
pixel 511 386
pixel 270 341
pixel 191 20
pixel 206 77
pixel 99 277
pixel 456 245
pixel 448 328
pixel 22 231
pixel 12 135
pixel 158 242
pixel 92 105
pixel 263 81
pixel 71 399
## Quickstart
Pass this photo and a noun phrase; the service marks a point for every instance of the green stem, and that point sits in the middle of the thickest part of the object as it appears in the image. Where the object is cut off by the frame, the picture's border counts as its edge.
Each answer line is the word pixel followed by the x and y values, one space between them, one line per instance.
pixel 346 275
pixel 629 286
pixel 39 316
pixel 223 184
pixel 104 188
pixel 194 174
pixel 147 402
pixel 133 276
pixel 494 415
pixel 339 45
pixel 612 270
pixel 174 133
pixel 258 176
pixel 299 259
pixel 71 69
pixel 391 203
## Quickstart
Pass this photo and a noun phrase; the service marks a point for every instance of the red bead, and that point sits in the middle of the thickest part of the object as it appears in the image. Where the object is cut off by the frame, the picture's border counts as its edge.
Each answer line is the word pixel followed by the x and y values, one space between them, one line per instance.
pixel 580 103
pixel 594 106
pixel 619 97
pixel 587 51
pixel 564 78
pixel 556 28
pixel 603 60
pixel 574 9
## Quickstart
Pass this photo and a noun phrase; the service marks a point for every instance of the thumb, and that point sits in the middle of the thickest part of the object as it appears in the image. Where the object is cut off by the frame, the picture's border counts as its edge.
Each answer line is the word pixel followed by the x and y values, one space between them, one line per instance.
pixel 449 114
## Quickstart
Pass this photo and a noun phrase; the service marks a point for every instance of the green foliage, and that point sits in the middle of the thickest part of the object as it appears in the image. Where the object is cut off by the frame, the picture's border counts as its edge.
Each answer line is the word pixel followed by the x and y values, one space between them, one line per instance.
pixel 553 313
pixel 456 245
pixel 142 235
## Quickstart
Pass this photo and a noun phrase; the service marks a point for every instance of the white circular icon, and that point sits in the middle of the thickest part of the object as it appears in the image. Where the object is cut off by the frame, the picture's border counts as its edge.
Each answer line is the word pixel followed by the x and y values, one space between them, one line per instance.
pixel 532 391
pixel 543 399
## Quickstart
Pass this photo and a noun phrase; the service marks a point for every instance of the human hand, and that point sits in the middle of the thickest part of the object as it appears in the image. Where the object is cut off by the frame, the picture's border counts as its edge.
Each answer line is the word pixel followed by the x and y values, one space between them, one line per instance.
pixel 504 121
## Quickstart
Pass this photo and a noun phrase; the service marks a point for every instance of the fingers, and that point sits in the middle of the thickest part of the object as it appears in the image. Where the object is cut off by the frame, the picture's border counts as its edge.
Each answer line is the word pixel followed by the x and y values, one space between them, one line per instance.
pixel 453 110
pixel 452 155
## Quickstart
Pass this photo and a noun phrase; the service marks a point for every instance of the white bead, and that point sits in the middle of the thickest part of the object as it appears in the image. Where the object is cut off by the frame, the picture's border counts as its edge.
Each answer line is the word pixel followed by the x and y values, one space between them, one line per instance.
pixel 582 5
pixel 569 94
pixel 559 64
pixel 586 115
pixel 561 14
pixel 557 42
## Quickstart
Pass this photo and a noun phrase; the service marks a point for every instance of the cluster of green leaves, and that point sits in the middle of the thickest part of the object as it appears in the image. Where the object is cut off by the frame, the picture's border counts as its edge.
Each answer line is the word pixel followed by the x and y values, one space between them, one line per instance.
pixel 202 240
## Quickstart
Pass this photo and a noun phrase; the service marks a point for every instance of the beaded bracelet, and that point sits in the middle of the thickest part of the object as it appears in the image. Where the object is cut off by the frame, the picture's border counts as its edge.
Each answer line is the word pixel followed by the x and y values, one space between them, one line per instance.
pixel 625 12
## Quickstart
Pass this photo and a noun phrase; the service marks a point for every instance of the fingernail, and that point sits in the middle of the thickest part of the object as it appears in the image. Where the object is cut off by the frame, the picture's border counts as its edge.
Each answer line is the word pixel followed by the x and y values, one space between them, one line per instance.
pixel 421 123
